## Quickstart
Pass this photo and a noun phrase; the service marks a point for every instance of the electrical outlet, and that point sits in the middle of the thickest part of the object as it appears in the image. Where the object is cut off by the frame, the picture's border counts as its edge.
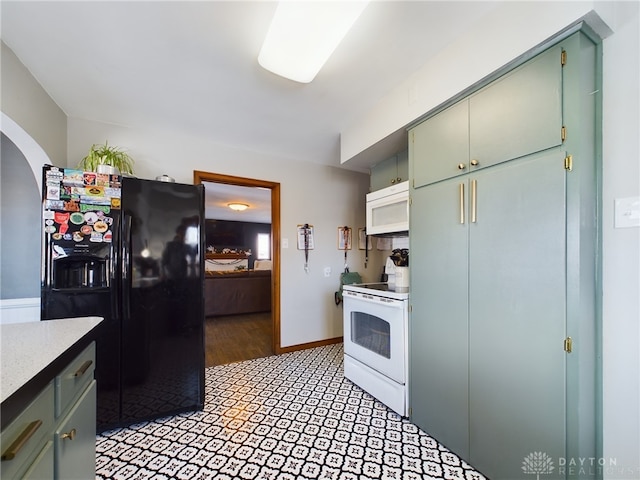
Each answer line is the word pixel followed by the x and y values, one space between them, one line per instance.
pixel 327 271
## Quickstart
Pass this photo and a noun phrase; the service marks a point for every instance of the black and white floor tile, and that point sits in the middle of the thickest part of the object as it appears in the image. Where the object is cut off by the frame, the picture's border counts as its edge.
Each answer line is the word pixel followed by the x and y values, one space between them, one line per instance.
pixel 292 416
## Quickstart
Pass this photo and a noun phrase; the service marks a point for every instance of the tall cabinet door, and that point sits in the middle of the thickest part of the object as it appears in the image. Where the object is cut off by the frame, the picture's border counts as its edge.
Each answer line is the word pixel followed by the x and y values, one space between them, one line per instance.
pixel 517 315
pixel 438 330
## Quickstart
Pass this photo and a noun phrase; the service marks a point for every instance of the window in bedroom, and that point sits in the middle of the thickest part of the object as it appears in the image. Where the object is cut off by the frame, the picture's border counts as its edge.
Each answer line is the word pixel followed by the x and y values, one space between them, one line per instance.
pixel 264 246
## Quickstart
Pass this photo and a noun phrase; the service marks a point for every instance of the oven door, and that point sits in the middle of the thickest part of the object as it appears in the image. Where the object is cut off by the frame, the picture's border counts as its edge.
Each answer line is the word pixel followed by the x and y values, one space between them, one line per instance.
pixel 375 333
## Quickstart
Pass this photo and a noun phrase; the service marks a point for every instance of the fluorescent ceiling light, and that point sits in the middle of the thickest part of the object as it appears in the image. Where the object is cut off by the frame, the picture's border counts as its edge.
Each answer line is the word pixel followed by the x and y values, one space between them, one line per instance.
pixel 238 207
pixel 303 35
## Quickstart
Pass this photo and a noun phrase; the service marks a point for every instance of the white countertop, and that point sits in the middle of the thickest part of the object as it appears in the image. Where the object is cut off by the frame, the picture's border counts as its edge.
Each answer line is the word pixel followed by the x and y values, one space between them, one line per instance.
pixel 27 348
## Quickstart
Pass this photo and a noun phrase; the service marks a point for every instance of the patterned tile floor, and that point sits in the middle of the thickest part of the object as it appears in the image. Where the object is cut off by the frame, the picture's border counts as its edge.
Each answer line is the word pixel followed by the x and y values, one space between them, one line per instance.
pixel 292 416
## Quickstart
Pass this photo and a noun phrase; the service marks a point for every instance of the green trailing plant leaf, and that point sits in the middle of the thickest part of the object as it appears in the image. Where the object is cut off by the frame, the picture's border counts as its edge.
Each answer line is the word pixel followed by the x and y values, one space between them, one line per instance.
pixel 106 155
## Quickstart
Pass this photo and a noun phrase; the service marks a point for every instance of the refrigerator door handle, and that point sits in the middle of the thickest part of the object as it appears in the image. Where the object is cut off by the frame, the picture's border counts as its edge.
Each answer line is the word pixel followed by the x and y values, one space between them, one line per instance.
pixel 126 266
pixel 46 261
pixel 115 268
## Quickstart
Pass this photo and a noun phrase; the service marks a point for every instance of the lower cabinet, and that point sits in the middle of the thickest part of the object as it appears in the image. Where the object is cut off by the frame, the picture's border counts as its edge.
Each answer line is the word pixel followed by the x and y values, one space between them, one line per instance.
pixel 75 439
pixel 26 442
pixel 42 466
pixel 55 435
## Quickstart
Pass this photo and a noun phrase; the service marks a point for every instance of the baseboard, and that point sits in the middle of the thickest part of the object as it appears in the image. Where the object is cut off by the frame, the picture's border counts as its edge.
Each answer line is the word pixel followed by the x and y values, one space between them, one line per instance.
pixel 19 310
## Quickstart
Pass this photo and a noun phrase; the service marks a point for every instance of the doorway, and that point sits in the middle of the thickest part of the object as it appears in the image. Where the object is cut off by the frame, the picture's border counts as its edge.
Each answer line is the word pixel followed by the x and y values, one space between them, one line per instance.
pixel 265 322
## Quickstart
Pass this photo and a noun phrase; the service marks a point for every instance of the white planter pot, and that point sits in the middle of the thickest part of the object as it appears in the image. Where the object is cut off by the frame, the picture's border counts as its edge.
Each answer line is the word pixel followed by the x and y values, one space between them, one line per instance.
pixel 107 169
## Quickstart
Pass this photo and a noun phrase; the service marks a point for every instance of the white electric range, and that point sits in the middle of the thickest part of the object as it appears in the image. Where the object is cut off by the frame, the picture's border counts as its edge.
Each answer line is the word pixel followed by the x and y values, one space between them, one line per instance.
pixel 376 341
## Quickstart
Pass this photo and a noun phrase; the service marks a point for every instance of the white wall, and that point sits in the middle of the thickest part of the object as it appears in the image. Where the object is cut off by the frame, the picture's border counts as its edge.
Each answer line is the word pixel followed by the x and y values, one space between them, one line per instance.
pixel 621 256
pixel 326 197
pixel 37 126
pixel 507 32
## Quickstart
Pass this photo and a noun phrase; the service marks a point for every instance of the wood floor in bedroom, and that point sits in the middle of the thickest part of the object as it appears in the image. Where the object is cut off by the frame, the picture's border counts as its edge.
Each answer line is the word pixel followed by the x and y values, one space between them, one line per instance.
pixel 235 338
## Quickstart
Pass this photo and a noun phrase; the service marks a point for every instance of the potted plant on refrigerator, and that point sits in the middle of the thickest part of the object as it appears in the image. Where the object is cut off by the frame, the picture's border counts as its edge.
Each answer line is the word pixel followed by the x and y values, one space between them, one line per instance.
pixel 107 159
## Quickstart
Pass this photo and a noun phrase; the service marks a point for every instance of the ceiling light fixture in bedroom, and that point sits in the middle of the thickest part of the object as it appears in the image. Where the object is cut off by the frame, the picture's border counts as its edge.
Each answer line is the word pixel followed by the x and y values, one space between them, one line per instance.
pixel 303 35
pixel 238 207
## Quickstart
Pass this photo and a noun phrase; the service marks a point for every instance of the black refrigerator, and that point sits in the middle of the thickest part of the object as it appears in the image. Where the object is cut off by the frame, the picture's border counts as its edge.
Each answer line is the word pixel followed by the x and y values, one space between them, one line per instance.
pixel 131 251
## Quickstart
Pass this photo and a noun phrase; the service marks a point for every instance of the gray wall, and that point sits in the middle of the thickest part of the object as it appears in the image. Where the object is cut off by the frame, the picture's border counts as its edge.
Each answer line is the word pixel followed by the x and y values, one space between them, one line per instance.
pixel 19 225
pixel 33 126
pixel 30 106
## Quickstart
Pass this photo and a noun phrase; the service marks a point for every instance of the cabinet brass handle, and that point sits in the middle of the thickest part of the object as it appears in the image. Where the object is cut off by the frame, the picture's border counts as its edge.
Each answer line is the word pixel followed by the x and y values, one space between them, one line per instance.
pixel 461 189
pixel 474 201
pixel 461 166
pixel 71 435
pixel 393 180
pixel 475 163
pixel 83 368
pixel 23 438
pixel 568 344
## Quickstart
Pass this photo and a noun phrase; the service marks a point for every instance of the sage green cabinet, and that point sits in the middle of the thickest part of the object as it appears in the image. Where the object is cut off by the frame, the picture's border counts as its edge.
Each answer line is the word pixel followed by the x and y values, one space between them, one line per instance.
pixel 517 324
pixel 440 145
pixel 42 466
pixel 516 115
pixel 75 437
pixel 75 434
pixel 391 171
pixel 488 323
pixel 504 274
pixel 439 322
pixel 26 441
pixel 54 436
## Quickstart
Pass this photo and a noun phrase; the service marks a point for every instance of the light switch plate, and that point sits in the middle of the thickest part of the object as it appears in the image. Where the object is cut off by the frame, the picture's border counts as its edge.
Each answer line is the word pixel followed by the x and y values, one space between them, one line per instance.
pixel 284 243
pixel 627 212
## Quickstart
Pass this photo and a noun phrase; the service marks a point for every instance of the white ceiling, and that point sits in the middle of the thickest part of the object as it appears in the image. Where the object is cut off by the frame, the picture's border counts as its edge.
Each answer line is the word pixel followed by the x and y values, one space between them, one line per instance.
pixel 219 195
pixel 192 67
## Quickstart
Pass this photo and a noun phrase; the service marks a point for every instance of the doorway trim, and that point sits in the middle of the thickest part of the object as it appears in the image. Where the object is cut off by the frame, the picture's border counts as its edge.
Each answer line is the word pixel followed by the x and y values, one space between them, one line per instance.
pixel 200 177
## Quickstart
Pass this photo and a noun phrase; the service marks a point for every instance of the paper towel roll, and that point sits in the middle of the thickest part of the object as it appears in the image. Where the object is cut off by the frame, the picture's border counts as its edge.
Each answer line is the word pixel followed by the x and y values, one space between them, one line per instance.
pixel 402 277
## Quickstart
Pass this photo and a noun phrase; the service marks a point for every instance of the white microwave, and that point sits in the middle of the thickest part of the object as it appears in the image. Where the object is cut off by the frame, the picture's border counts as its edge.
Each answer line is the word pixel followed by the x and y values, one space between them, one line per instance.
pixel 388 210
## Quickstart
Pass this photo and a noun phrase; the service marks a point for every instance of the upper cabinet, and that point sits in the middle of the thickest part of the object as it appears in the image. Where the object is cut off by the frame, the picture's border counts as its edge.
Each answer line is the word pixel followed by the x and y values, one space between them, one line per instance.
pixel 391 171
pixel 440 145
pixel 518 114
